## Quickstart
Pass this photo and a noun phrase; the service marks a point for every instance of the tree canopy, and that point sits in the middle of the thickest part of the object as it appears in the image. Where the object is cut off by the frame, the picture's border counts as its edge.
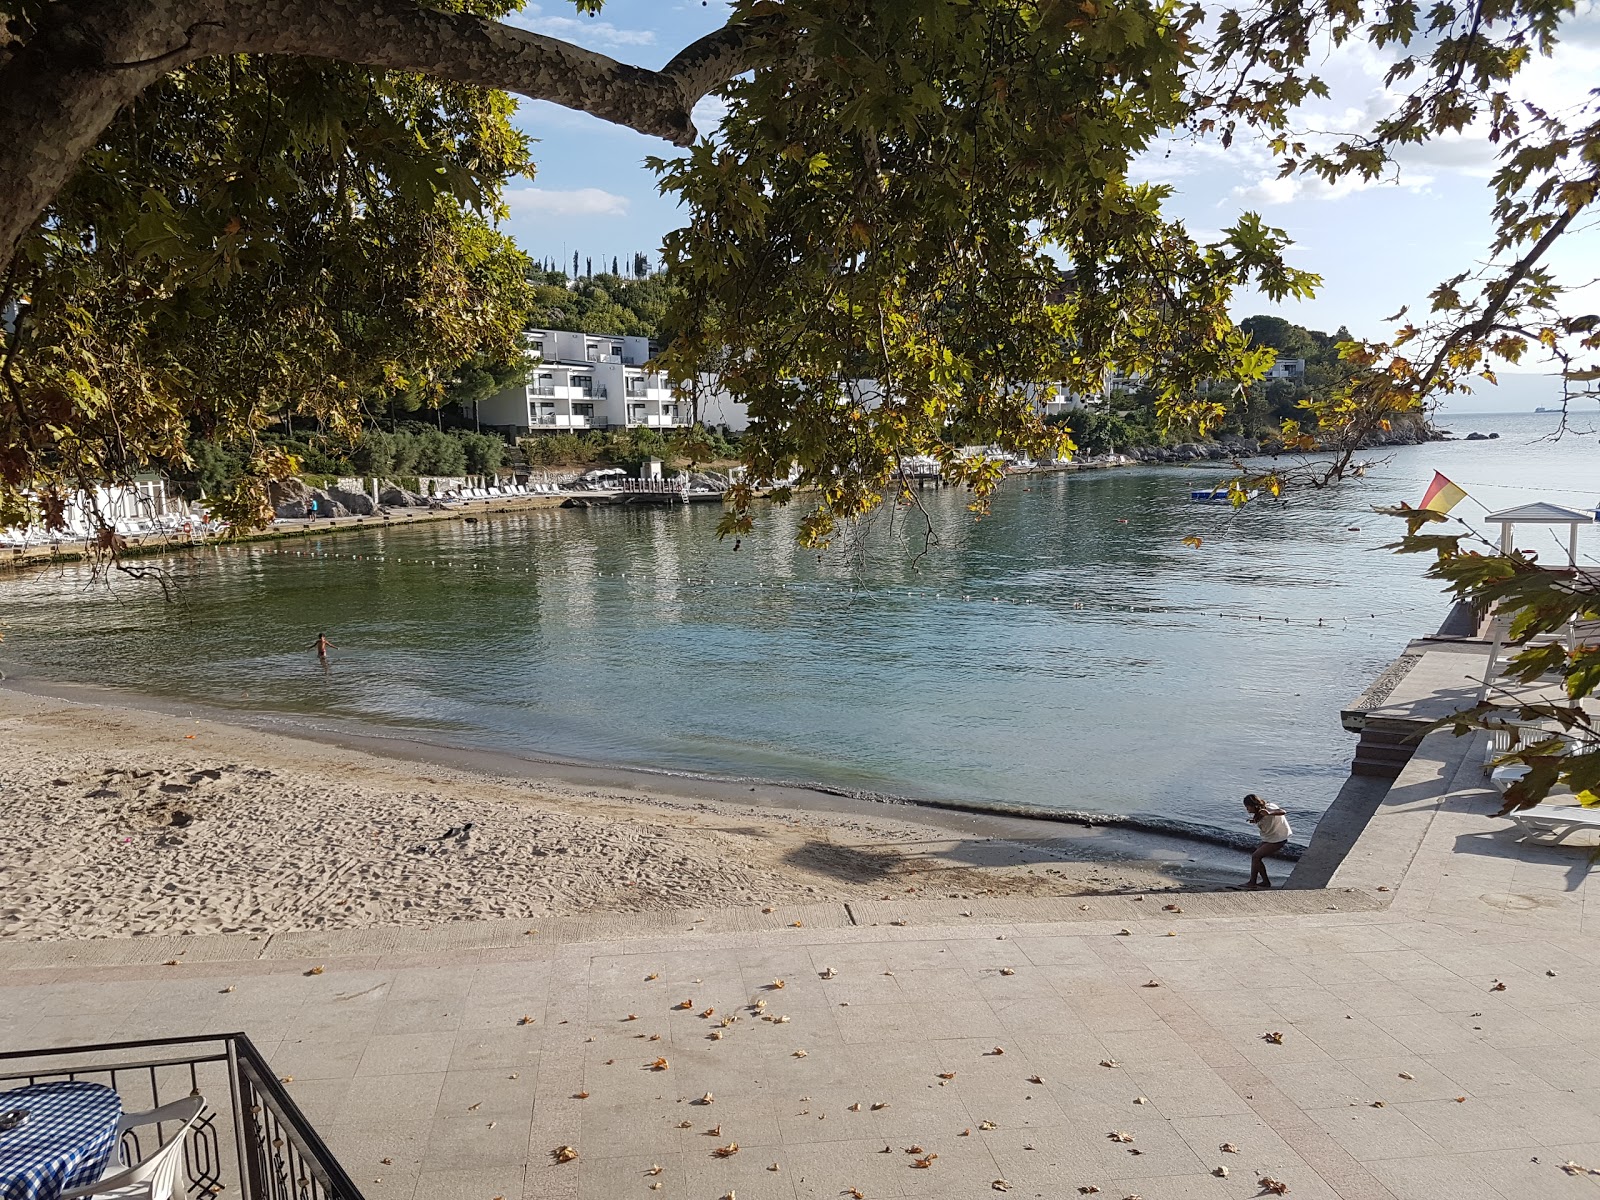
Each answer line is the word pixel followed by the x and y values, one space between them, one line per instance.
pixel 934 197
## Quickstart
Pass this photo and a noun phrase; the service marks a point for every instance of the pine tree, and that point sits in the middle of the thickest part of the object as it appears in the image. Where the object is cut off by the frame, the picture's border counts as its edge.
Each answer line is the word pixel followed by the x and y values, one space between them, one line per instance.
pixel 574 264
pixel 589 262
pixel 614 269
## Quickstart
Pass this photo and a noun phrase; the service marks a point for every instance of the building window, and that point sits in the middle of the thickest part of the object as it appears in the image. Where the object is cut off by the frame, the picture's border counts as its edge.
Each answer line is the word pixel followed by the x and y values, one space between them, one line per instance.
pixel 670 412
pixel 636 387
pixel 584 383
pixel 544 413
pixel 537 346
pixel 592 352
pixel 585 411
pixel 545 385
pixel 616 348
pixel 635 412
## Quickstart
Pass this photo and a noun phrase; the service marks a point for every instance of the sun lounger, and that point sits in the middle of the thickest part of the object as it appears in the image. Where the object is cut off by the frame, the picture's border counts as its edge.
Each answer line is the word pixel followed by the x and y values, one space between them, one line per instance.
pixel 1556 820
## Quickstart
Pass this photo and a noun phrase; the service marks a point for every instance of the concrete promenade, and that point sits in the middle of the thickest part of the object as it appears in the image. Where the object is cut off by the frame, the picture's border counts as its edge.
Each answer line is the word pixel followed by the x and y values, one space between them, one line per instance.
pixel 1436 1005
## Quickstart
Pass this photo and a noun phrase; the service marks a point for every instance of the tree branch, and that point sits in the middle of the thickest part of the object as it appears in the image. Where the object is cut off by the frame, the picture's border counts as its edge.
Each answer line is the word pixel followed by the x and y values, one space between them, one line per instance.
pixel 398 35
pixel 64 83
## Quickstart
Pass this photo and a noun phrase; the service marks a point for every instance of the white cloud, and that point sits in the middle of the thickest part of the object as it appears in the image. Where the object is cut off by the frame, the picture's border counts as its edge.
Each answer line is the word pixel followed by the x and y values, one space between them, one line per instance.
pixel 585 32
pixel 579 202
pixel 1271 189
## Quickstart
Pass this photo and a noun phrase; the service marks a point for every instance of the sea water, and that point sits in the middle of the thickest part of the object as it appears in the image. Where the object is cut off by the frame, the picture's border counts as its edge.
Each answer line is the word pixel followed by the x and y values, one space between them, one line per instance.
pixel 1068 651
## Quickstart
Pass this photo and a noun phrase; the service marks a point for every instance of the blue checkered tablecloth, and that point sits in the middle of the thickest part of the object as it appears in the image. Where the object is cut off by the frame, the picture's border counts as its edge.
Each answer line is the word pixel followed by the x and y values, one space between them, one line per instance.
pixel 66 1141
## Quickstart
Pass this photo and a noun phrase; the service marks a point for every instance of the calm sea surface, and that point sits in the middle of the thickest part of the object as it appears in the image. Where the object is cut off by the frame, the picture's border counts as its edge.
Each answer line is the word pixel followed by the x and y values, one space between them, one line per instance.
pixel 1066 652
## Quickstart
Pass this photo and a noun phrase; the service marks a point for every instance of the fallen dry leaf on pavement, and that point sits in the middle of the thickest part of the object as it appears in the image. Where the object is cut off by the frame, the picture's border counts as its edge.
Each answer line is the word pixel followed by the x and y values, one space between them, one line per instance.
pixel 828 972
pixel 564 1154
pixel 1007 971
pixel 915 1150
pixel 727 1151
pixel 1034 1079
pixel 998 1050
pixel 1088 1189
pixel 652 975
pixel 799 1054
pixel 525 1021
pixel 924 1163
pixel 706 1099
pixel 684 1004
pixel 856 1107
pixel 1275 1186
pixel 987 1125
pixel 1152 983
pixel 879 1105
pixel 1118 1135
pixel 1228 1148
pixel 655 1169
pixel 1407 1075
pixel 777 985
pixel 659 1064
pixel 1109 1062
pixel 854 1193
pixel 1000 1185
pixel 314 971
pixel 1275 1037
pixel 947 1074
pixel 710 1012
pixel 1220 1172
pixel 685 1124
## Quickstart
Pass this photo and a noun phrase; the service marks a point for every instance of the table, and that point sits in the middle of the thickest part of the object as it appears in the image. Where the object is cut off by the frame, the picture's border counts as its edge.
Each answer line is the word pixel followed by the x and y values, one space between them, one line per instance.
pixel 66 1141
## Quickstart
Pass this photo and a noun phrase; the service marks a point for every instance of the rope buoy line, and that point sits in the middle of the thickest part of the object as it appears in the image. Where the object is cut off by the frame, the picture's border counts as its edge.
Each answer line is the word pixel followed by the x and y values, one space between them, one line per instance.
pixel 702 582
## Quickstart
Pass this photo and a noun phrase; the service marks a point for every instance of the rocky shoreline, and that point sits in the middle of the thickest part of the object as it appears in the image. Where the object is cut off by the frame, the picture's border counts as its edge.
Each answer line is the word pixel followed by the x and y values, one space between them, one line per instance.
pixel 1409 433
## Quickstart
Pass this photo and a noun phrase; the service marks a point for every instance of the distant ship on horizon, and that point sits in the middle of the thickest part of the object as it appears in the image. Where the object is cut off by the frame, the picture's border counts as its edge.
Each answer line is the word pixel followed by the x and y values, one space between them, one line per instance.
pixel 1542 409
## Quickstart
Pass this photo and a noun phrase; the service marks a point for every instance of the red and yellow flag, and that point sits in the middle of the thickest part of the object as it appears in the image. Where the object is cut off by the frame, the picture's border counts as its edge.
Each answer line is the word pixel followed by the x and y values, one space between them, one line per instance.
pixel 1442 495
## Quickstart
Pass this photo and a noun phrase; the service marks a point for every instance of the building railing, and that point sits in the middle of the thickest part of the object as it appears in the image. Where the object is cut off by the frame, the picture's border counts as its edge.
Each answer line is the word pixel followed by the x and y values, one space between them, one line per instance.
pixel 251 1140
pixel 546 389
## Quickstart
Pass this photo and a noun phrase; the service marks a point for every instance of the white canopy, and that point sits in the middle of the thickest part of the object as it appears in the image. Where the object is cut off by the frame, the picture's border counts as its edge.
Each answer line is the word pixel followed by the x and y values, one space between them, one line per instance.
pixel 1541 512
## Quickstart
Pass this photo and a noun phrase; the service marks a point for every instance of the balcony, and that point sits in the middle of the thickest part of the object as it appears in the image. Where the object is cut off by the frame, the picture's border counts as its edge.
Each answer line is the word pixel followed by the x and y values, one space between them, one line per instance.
pixel 542 389
pixel 250 1140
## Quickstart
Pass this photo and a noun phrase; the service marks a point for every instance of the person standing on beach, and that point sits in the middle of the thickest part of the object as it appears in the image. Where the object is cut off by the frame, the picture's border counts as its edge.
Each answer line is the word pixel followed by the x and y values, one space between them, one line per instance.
pixel 322 645
pixel 1273 824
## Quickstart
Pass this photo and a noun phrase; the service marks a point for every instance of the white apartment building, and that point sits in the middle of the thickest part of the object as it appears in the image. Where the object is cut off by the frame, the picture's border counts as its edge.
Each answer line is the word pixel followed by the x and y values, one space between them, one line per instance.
pixel 585 381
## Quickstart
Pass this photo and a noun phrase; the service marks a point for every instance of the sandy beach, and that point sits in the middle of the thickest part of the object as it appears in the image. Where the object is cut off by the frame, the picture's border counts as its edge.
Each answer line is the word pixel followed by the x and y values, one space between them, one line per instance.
pixel 129 821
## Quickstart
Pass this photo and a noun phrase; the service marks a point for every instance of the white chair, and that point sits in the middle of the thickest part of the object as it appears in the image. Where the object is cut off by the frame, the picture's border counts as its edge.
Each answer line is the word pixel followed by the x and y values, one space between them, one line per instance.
pixel 154 1177
pixel 1556 821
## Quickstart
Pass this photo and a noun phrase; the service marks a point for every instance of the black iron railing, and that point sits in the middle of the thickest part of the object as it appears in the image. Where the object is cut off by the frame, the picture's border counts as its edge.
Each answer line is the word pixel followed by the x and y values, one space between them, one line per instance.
pixel 251 1140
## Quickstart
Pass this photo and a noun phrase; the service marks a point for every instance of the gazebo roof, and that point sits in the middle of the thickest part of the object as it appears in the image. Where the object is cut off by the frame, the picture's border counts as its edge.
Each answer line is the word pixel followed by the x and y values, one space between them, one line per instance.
pixel 1541 512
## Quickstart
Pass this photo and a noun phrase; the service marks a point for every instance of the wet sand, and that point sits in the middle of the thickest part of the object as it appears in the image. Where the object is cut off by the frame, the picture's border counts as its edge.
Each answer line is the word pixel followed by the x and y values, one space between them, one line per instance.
pixel 129 816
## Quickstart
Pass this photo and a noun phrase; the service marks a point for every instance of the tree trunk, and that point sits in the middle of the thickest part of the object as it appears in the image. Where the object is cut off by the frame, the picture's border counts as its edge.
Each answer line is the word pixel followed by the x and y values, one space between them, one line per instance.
pixel 62 84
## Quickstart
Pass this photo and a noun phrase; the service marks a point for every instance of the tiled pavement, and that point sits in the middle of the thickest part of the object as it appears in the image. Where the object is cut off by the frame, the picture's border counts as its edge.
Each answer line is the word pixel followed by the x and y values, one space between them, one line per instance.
pixel 1402 1071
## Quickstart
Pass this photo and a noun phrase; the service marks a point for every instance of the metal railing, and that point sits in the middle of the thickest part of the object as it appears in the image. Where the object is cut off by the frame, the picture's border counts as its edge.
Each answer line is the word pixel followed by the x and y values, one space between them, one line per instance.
pixel 251 1140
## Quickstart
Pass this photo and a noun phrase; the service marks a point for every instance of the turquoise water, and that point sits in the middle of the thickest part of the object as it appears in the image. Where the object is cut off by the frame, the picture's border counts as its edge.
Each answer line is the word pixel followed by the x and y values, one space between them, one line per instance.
pixel 1066 652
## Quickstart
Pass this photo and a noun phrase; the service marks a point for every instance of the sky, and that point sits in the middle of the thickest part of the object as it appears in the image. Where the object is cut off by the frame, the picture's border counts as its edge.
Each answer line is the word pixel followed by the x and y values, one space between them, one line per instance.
pixel 1377 247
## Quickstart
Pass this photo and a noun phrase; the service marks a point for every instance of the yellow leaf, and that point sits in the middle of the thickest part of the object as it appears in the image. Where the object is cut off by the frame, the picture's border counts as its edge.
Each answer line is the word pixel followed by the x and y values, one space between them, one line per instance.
pixel 1193 542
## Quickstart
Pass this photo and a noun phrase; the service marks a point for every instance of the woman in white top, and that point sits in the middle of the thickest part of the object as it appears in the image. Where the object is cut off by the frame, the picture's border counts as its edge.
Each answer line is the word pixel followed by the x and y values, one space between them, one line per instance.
pixel 1274 826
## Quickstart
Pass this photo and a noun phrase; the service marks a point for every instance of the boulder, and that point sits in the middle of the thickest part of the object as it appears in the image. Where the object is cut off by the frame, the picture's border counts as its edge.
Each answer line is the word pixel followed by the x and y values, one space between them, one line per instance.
pixel 288 497
pixel 357 503
pixel 398 497
pixel 1477 437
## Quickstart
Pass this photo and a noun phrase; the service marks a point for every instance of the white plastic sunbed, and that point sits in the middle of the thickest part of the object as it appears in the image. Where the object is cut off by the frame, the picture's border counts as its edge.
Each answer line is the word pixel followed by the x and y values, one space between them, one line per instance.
pixel 1556 820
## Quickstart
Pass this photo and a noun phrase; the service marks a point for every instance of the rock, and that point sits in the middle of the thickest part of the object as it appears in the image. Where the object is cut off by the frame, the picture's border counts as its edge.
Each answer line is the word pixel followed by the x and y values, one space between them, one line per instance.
pixel 398 497
pixel 1492 436
pixel 358 503
pixel 1477 437
pixel 289 497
